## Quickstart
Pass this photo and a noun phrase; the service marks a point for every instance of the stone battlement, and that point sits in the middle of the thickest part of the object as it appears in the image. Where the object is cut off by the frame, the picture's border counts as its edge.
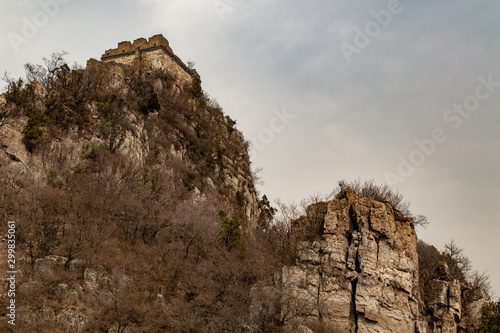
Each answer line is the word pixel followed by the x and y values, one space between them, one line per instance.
pixel 128 53
pixel 127 48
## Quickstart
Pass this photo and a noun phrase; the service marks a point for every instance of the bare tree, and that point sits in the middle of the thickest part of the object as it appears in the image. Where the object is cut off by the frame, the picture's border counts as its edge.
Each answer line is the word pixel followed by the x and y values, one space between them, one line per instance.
pixel 459 264
pixel 125 308
pixel 481 281
pixel 41 222
pixel 461 268
pixel 46 74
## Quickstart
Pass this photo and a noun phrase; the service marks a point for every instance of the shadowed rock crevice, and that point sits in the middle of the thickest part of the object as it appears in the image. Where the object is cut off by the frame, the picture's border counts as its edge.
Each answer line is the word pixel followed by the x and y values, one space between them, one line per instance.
pixel 354 312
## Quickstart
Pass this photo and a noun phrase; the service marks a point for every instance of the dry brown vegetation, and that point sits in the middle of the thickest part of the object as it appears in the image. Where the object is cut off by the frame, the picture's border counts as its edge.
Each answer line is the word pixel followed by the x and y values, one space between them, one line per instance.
pixel 161 261
pixel 155 246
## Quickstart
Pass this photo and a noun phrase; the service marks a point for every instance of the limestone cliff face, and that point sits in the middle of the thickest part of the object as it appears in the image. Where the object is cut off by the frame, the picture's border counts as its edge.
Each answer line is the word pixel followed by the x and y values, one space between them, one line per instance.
pixel 361 273
pixel 232 174
pixel 357 271
pixel 451 306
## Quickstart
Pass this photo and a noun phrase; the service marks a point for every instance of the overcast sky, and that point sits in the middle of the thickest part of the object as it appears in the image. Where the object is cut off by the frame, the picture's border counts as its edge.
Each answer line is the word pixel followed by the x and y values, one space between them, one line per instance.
pixel 405 92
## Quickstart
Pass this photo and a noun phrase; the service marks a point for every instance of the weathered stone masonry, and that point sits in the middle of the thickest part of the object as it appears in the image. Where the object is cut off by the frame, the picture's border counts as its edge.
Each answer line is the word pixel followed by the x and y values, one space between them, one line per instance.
pixel 156 52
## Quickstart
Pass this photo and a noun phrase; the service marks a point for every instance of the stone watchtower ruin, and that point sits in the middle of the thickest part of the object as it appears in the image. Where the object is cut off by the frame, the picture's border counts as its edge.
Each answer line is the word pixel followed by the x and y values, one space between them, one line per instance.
pixel 154 53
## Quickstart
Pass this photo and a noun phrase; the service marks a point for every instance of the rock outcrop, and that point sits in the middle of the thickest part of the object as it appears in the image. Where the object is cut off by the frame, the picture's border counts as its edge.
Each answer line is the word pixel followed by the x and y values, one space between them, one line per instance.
pixel 360 273
pixel 451 306
pixel 357 271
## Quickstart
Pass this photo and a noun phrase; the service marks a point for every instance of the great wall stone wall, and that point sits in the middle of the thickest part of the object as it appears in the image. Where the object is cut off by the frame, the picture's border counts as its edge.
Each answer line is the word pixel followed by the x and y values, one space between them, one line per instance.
pixel 155 53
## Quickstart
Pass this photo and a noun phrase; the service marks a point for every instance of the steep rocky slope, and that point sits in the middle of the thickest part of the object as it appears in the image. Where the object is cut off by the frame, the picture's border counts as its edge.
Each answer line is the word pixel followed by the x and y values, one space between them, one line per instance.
pixel 357 271
pixel 133 111
pixel 116 175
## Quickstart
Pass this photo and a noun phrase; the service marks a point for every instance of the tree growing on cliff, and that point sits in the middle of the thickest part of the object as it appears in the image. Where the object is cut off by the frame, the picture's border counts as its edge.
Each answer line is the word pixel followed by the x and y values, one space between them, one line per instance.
pixel 230 233
pixel 53 96
pixel 266 212
pixel 490 318
pixel 47 73
pixel 459 265
pixel 461 268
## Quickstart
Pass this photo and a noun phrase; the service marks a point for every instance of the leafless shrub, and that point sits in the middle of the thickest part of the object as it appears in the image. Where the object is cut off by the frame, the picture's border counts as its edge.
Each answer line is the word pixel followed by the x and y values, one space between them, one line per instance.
pixel 47 73
pixel 459 265
pixel 383 193
pixel 479 280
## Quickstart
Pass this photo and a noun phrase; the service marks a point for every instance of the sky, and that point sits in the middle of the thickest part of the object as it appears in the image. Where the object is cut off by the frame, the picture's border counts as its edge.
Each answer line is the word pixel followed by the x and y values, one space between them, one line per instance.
pixel 402 92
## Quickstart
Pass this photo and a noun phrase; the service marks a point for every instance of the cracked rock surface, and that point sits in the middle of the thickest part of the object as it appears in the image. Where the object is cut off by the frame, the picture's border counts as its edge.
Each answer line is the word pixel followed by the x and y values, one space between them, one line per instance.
pixel 356 270
pixel 361 273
